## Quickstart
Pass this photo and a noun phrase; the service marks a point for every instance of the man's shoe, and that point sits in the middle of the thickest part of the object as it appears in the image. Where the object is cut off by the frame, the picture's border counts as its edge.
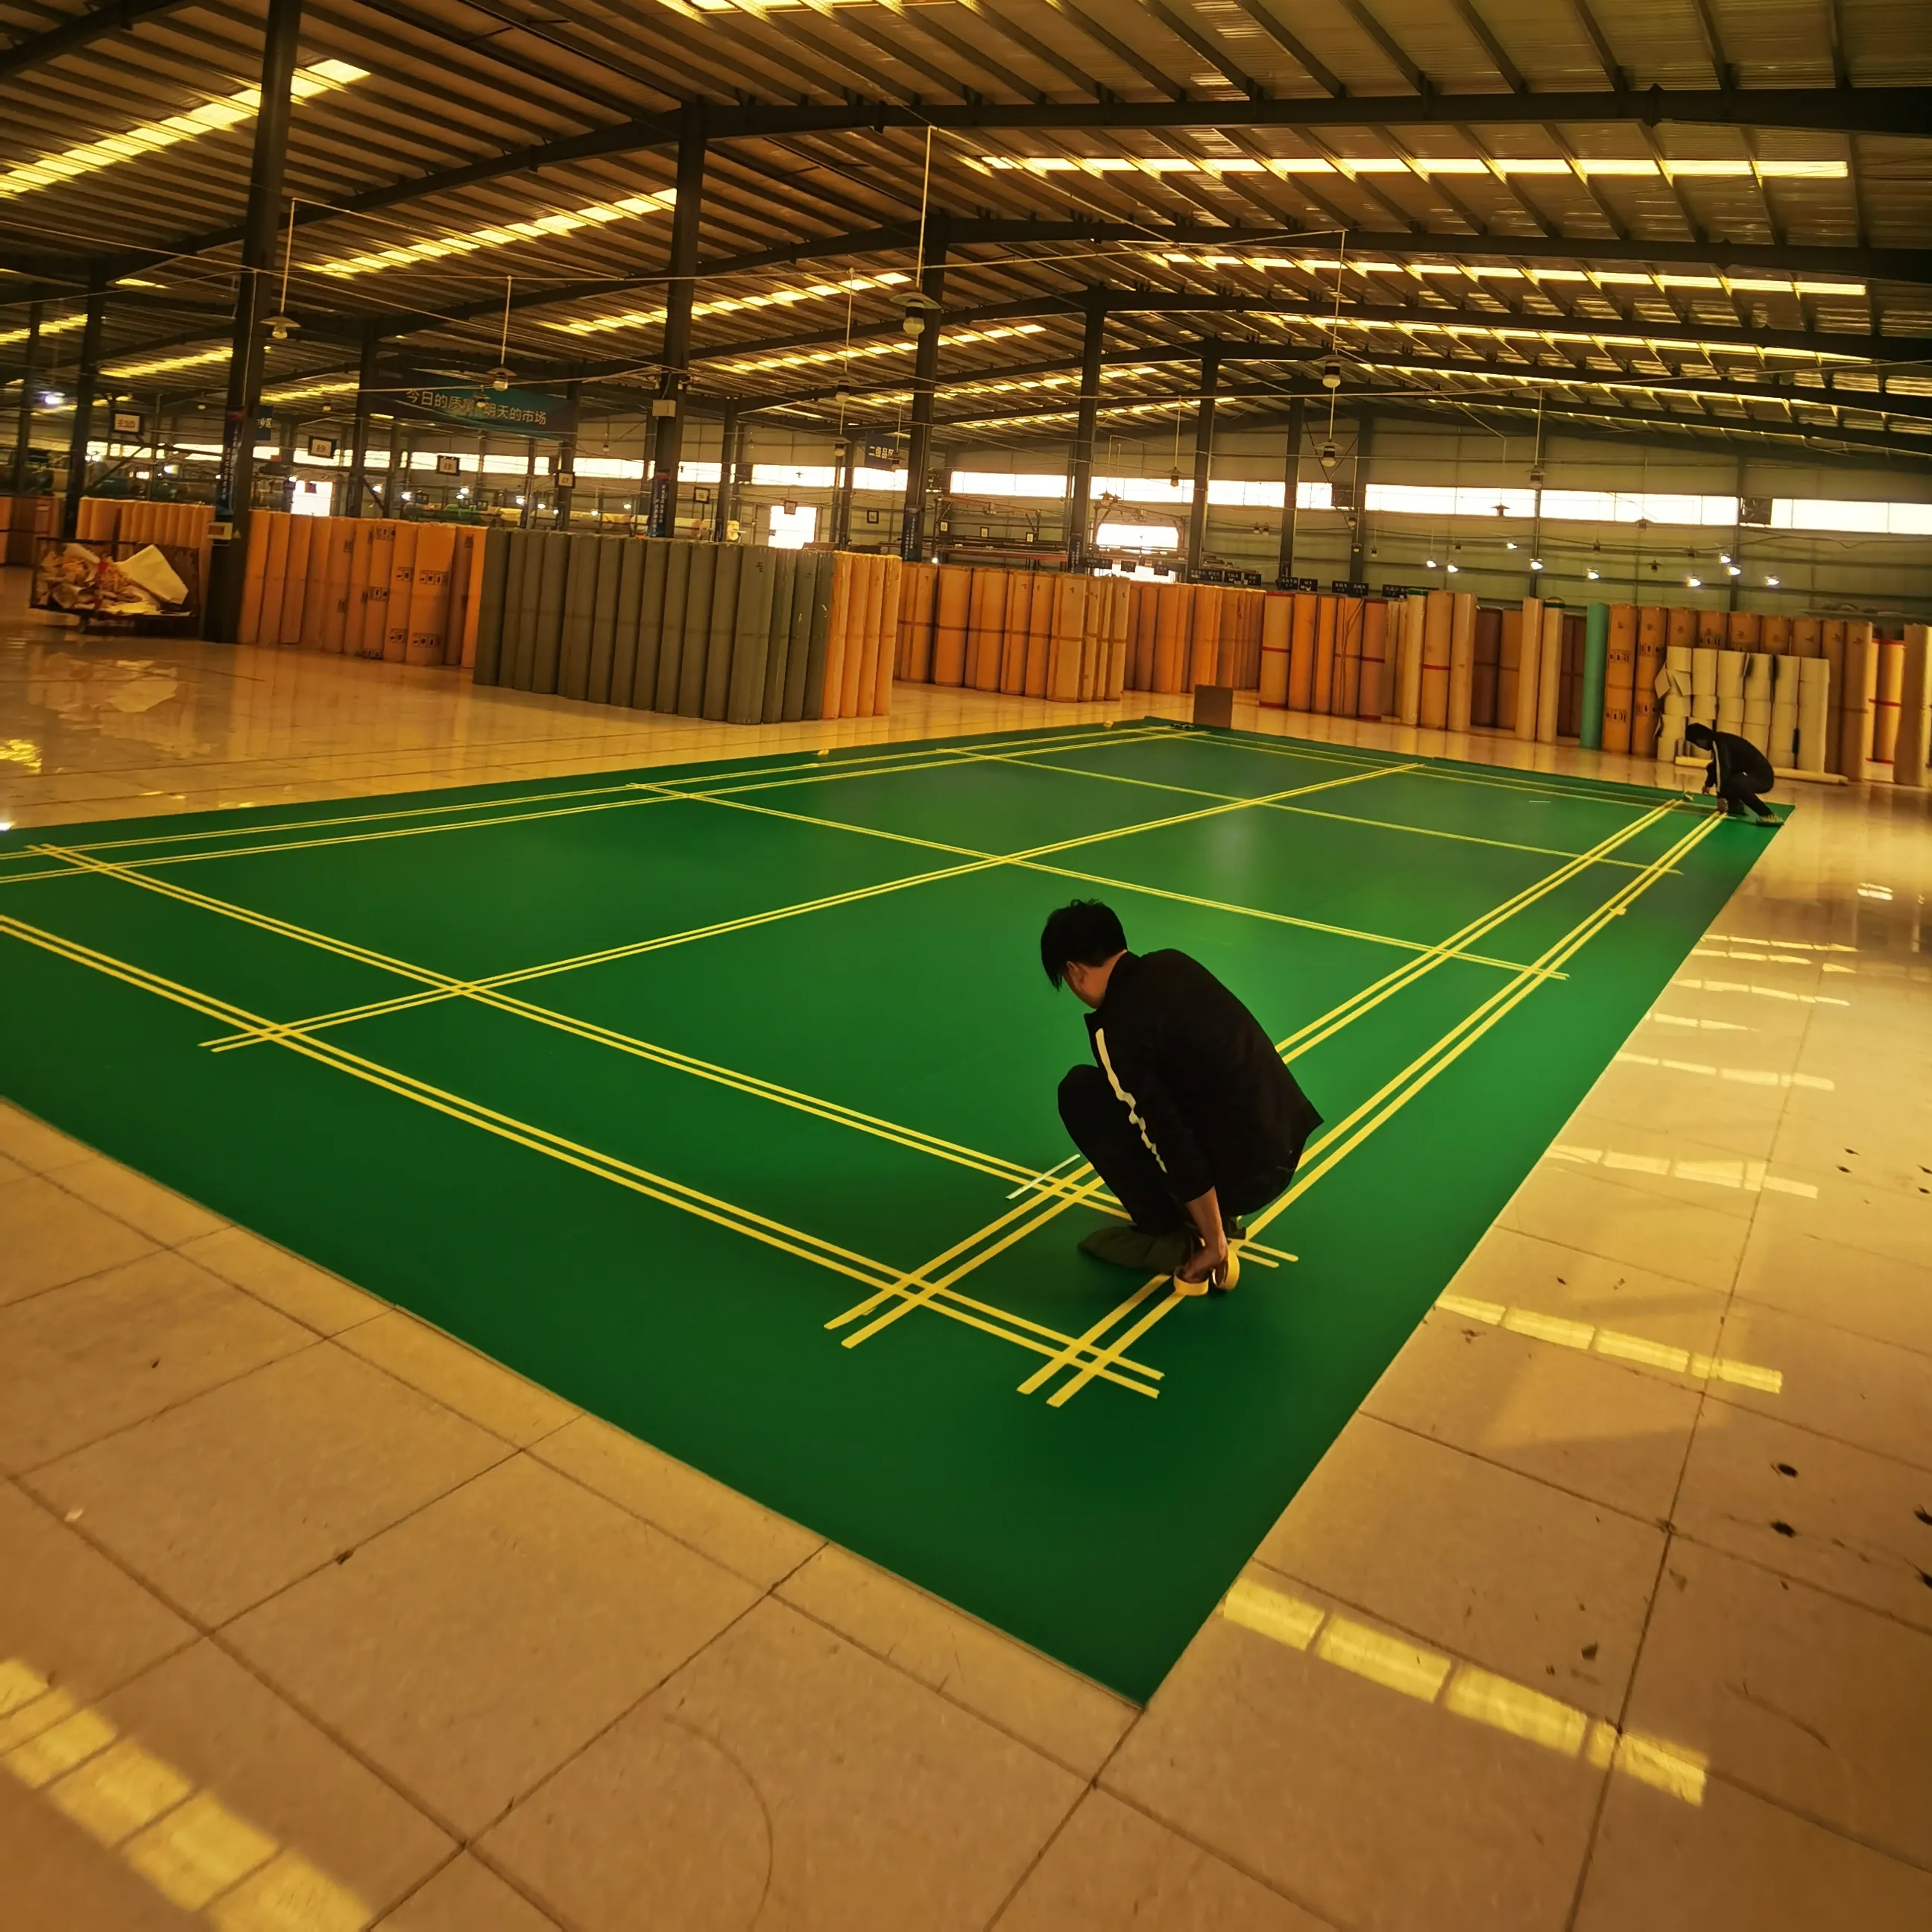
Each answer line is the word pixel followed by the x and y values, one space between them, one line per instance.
pixel 1131 1247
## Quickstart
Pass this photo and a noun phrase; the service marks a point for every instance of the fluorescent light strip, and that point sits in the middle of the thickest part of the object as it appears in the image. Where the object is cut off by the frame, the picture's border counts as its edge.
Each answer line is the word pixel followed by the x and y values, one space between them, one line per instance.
pixel 162 364
pixel 1483 272
pixel 643 318
pixel 900 346
pixel 1373 164
pixel 216 115
pixel 432 247
pixel 60 325
pixel 1543 377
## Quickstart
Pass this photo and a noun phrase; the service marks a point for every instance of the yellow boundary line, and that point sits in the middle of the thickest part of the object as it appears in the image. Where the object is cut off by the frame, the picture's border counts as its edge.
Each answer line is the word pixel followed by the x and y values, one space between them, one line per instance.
pixel 660 1188
pixel 1376 1111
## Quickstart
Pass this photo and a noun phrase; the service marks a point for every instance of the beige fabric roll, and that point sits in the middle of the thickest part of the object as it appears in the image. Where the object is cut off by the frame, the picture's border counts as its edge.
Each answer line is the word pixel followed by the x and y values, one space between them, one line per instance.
pixel 1529 669
pixel 1861 687
pixel 1888 689
pixel 1408 687
pixel 1438 625
pixel 1302 628
pixel 1785 698
pixel 1814 713
pixel 1909 764
pixel 1372 699
pixel 1462 659
pixel 1550 677
pixel 1277 621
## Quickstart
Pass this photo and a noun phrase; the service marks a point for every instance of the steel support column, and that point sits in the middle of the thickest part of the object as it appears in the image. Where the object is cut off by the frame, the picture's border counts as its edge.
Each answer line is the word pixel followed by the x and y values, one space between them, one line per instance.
pixel 1204 455
pixel 728 473
pixel 1291 491
pixel 1081 488
pixel 358 434
pixel 234 481
pixel 85 379
pixel 566 462
pixel 667 412
pixel 1358 529
pixel 925 375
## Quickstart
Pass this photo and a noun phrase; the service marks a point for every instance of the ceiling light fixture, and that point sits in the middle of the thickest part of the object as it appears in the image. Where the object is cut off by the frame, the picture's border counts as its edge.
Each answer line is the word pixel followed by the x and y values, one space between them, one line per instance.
pixel 432 247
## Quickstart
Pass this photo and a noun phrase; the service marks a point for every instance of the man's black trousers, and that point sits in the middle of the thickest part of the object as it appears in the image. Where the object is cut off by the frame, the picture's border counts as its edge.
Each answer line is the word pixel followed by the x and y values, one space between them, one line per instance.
pixel 1738 799
pixel 1104 1132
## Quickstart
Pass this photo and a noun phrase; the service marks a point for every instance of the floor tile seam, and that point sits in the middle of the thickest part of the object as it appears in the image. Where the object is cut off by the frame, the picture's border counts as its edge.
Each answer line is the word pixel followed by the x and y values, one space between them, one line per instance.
pixel 311 1340
pixel 1892 1854
pixel 1385 1621
pixel 1823 1435
pixel 263 1299
pixel 222 1221
pixel 1759 1299
pixel 940 1690
pixel 671 1535
pixel 47 1173
pixel 1792 1579
pixel 1591 1255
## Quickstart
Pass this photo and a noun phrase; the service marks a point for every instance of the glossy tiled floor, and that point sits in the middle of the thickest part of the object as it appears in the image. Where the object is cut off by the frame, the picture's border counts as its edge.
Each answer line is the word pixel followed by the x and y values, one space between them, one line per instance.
pixel 1613 1607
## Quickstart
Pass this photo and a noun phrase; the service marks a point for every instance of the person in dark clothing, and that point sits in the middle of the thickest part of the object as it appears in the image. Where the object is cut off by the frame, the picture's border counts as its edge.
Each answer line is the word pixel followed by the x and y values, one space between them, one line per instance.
pixel 1739 773
pixel 1188 1113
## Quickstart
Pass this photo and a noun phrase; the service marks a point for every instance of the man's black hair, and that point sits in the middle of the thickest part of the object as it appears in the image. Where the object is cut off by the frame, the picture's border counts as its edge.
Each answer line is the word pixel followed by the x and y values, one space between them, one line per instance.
pixel 1698 734
pixel 1086 932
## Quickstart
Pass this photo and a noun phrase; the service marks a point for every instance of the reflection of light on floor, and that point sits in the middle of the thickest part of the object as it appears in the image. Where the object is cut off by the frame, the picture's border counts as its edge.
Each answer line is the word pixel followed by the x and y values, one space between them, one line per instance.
pixel 1762 992
pixel 1763 958
pixel 1566 1333
pixel 1750 1076
pixel 1749 1175
pixel 1396 1664
pixel 185 1842
pixel 1783 945
pixel 1708 1026
pixel 21 752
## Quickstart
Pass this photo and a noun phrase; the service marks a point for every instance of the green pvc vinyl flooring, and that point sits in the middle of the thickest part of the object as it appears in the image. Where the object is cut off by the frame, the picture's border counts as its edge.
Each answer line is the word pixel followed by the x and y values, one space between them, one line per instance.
pixel 641 1082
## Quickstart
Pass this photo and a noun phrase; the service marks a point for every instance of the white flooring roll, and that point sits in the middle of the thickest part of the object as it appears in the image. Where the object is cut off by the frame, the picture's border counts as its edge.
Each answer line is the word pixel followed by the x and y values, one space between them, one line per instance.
pixel 1784 701
pixel 1731 715
pixel 1704 683
pixel 1814 712
pixel 1731 674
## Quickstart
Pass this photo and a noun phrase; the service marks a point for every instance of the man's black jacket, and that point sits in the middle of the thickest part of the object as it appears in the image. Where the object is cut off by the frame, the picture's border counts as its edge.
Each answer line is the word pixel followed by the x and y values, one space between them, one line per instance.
pixel 1737 763
pixel 1202 1081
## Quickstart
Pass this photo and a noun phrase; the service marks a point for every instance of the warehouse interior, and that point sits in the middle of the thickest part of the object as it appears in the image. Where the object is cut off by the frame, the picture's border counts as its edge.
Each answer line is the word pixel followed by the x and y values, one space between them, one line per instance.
pixel 929 452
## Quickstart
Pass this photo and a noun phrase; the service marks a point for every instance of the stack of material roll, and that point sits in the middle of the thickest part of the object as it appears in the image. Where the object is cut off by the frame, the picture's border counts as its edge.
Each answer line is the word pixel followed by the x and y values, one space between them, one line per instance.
pixel 737 634
pixel 1027 634
pixel 1787 684
pixel 180 528
pixel 1814 712
pixel 1731 692
pixel 1675 685
pixel 1338 657
pixel 1757 699
pixel 410 593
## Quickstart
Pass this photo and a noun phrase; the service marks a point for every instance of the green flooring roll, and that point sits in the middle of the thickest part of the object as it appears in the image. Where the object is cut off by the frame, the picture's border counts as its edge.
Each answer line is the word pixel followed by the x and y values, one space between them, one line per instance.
pixel 798 643
pixel 624 620
pixel 744 693
pixel 698 601
pixel 824 563
pixel 514 628
pixel 529 596
pixel 489 606
pixel 656 553
pixel 778 650
pixel 677 600
pixel 579 598
pixel 1596 656
pixel 727 578
pixel 552 589
pixel 603 618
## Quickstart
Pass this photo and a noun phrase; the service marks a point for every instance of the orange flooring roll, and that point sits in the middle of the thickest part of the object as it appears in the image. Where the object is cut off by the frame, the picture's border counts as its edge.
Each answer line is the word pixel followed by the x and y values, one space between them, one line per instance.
pixel 1711 629
pixel 1862 663
pixel 951 613
pixel 1529 669
pixel 1303 627
pixel 248 625
pixel 837 635
pixel 308 551
pixel 402 588
pixel 1321 685
pixel 1461 660
pixel 1140 636
pixel 1806 639
pixel 1549 674
pixel 1347 656
pixel 983 629
pixel 355 596
pixel 1509 665
pixel 1652 630
pixel 1372 699
pixel 1831 645
pixel 1619 676
pixel 466 598
pixel 1170 642
pixel 892 594
pixel 275 580
pixel 377 582
pixel 1277 618
pixel 1069 613
pixel 1119 621
pixel 1438 626
pixel 1021 592
pixel 335 584
pixel 428 619
pixel 1040 640
pixel 1680 628
pixel 918 601
pixel 1774 636
pixel 1743 630
pixel 1203 634
pixel 862 645
pixel 1092 633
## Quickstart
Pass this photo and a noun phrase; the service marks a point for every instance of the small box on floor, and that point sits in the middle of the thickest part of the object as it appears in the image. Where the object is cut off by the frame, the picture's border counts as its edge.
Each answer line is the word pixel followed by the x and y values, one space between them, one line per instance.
pixel 1214 704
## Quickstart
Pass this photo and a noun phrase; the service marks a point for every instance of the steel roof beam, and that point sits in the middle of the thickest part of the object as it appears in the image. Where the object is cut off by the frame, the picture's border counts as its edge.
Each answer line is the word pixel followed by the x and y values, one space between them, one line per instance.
pixel 70 36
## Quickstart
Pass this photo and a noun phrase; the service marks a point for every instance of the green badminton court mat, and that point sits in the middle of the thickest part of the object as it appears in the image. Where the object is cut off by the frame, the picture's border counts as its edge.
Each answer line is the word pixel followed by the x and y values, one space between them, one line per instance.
pixel 719 1098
